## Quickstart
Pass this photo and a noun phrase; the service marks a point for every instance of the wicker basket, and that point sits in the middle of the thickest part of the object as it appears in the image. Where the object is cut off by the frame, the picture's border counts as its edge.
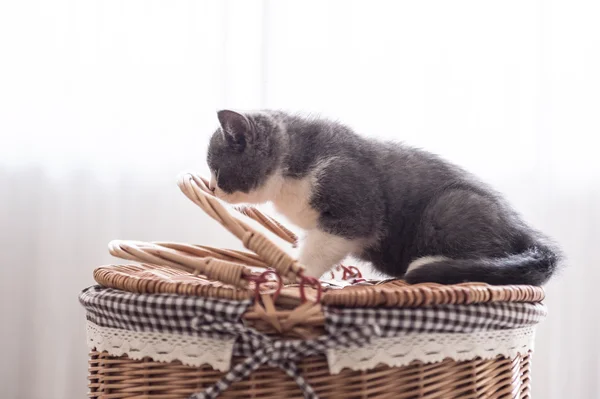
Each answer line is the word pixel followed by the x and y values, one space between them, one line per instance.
pixel 291 320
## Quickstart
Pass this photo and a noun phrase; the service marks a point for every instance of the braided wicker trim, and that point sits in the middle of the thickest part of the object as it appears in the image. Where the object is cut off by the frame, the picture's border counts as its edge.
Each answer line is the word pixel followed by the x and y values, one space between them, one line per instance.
pixel 152 279
pixel 397 293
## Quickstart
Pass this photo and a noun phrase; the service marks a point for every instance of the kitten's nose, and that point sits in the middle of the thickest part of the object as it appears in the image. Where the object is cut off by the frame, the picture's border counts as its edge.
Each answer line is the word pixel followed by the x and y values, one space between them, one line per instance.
pixel 213 183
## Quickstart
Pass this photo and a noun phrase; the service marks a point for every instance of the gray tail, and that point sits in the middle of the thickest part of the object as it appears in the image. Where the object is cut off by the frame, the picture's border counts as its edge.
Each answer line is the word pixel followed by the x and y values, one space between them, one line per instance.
pixel 534 266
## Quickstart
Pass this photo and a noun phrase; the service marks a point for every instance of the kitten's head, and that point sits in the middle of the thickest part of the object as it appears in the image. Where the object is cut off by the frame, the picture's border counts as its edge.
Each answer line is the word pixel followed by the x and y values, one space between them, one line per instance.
pixel 243 157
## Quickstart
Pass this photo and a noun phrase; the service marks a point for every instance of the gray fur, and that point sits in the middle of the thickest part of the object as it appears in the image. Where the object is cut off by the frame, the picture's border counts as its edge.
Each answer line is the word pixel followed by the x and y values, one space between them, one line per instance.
pixel 404 202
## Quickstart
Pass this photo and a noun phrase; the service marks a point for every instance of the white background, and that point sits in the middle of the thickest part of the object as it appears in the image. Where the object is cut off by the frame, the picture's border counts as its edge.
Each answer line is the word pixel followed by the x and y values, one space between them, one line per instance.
pixel 102 103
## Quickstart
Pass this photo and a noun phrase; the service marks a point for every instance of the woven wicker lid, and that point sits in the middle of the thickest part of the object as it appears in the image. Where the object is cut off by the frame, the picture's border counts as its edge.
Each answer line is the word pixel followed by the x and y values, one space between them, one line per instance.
pixel 155 279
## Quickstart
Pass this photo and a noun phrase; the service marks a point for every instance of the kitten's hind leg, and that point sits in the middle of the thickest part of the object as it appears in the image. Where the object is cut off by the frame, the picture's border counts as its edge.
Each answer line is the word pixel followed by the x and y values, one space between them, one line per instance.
pixel 477 240
pixel 322 251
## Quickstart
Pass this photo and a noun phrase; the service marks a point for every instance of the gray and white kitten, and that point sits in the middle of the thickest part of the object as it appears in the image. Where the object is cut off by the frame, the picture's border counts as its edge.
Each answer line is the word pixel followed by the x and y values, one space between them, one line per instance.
pixel 408 212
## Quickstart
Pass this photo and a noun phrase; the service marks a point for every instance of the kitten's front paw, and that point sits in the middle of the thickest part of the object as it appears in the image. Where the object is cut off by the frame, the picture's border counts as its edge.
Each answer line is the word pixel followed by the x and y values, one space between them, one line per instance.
pixel 322 251
pixel 312 266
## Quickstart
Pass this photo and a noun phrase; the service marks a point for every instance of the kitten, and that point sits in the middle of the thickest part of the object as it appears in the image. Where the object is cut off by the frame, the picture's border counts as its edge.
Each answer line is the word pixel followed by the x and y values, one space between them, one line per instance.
pixel 408 212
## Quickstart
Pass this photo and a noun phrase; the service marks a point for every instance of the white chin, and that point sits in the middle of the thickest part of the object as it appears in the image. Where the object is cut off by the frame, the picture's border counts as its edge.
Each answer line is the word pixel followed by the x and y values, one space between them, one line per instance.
pixel 235 198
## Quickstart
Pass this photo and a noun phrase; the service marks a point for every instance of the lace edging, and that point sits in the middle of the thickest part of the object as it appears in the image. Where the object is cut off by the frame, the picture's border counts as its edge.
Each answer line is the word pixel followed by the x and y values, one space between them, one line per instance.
pixel 162 347
pixel 395 351
pixel 401 350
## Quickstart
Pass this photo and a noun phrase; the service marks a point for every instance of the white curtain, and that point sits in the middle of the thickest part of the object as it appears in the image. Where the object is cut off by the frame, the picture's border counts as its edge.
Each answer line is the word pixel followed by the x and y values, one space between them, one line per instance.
pixel 102 103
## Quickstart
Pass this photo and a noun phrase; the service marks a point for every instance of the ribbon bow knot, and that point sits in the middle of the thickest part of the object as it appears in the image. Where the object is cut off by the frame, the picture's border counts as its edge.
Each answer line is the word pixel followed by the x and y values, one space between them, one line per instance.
pixel 278 353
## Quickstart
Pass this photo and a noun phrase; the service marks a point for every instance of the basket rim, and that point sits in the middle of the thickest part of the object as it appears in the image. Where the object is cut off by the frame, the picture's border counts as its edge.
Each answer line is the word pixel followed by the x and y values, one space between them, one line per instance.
pixel 158 279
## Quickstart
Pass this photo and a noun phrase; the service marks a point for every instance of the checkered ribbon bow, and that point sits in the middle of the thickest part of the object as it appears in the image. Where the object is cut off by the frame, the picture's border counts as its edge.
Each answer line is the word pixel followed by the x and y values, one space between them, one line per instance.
pixel 284 354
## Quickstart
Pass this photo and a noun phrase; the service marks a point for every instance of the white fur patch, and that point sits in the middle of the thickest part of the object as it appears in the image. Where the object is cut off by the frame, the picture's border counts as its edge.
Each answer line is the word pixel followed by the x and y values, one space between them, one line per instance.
pixel 294 197
pixel 290 196
pixel 415 264
pixel 321 251
pixel 265 193
pixel 293 201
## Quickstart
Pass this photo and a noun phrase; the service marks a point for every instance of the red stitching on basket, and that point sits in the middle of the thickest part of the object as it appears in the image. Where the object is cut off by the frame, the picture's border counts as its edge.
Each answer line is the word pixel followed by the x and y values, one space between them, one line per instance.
pixel 312 282
pixel 263 279
pixel 350 272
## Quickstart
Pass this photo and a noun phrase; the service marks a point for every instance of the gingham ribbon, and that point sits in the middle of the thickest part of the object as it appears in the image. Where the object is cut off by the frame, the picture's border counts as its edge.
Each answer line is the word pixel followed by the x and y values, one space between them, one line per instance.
pixel 177 314
pixel 438 318
pixel 171 313
pixel 282 354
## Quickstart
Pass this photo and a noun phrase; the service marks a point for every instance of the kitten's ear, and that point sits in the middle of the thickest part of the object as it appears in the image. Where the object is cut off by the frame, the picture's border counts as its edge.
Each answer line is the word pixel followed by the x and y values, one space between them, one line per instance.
pixel 237 129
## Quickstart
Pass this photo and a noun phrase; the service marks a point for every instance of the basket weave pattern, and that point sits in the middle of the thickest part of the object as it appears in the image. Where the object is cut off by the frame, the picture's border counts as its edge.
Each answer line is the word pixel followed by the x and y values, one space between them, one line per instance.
pixel 121 377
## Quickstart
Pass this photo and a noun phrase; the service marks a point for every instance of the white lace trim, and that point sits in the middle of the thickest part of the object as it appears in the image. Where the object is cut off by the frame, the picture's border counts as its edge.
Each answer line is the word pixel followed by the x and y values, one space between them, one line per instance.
pixel 431 347
pixel 391 351
pixel 161 347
